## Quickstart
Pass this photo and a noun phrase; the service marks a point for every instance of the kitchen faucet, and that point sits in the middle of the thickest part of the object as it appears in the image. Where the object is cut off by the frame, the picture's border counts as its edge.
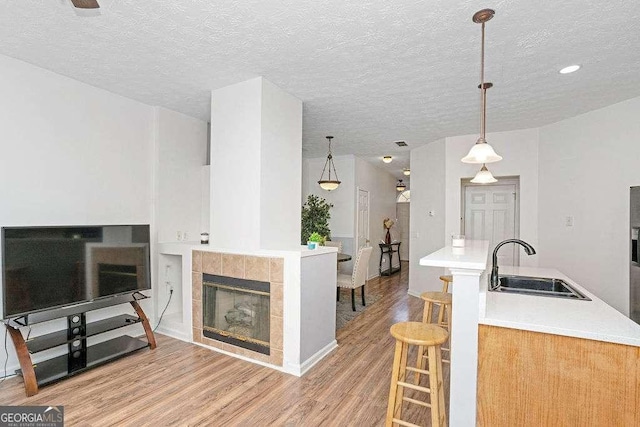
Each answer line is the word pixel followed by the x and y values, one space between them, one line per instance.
pixel 493 283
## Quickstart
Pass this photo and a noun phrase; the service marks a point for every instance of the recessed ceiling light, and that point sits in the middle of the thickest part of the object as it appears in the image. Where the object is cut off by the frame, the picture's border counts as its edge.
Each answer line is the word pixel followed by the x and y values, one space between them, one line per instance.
pixel 407 172
pixel 570 69
pixel 387 159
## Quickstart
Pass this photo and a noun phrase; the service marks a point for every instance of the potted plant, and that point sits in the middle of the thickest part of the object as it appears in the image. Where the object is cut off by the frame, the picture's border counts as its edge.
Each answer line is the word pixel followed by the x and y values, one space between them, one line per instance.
pixel 315 239
pixel 315 218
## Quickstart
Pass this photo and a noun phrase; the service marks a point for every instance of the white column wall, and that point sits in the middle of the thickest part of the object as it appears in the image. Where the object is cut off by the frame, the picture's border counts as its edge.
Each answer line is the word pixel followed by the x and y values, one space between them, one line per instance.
pixel 256 146
pixel 236 130
pixel 281 169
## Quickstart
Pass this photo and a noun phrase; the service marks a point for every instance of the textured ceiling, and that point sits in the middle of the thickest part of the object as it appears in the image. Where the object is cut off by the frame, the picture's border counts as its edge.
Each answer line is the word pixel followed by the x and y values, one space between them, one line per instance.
pixel 368 72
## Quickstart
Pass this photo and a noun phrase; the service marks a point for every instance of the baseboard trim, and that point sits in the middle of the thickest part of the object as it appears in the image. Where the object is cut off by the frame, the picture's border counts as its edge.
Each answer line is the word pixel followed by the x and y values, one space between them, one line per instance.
pixel 303 368
pixel 173 333
pixel 413 293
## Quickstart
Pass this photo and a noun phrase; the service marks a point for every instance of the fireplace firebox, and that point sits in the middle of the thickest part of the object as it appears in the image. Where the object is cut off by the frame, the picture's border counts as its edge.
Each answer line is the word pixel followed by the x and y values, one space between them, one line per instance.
pixel 236 311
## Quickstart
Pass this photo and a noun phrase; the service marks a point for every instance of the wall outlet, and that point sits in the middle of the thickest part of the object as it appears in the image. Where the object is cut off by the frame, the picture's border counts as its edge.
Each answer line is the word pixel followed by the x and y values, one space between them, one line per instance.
pixel 568 221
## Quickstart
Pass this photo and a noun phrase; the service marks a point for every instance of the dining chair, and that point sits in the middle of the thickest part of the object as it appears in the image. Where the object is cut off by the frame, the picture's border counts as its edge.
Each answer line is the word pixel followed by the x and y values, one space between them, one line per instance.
pixel 359 276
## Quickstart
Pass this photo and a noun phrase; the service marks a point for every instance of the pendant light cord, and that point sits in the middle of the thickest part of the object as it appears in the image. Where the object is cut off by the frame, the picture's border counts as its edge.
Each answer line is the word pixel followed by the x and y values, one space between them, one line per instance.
pixel 483 91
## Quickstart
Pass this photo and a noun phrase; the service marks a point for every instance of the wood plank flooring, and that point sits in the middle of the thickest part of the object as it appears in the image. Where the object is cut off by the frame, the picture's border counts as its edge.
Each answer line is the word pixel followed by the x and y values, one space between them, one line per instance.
pixel 183 384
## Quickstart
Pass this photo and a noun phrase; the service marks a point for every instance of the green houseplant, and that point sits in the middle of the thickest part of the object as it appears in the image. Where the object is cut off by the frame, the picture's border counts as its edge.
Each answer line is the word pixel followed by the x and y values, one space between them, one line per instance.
pixel 315 238
pixel 315 218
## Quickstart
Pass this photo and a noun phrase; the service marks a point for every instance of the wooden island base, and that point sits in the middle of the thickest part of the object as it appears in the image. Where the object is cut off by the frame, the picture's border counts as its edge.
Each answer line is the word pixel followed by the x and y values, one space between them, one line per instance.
pixel 536 379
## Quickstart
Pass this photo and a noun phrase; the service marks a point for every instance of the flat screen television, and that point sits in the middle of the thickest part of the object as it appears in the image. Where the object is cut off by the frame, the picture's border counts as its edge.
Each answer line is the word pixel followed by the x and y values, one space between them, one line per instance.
pixel 52 267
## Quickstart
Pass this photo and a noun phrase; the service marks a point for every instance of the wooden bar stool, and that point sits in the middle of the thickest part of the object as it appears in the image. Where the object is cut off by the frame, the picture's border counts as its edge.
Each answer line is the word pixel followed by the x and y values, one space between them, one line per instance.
pixel 427 336
pixel 446 280
pixel 444 301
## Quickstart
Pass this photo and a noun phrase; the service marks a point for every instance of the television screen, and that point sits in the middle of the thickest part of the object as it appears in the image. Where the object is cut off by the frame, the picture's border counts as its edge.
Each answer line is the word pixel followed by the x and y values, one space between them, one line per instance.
pixel 47 267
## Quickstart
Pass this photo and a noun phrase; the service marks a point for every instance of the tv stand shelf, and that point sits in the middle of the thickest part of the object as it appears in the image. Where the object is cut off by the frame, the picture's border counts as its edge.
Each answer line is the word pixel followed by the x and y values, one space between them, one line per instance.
pixel 54 339
pixel 56 369
pixel 80 357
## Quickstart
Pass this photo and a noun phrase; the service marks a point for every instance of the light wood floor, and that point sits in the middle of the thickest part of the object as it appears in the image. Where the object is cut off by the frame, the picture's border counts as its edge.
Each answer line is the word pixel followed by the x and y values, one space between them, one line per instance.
pixel 184 384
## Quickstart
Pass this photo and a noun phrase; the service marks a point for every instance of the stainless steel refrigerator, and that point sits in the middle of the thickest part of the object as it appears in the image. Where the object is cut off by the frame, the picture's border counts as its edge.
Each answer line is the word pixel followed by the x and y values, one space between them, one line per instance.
pixel 634 273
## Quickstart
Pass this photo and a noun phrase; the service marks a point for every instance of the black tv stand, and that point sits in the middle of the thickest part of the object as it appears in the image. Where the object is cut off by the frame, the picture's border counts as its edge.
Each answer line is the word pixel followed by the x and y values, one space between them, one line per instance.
pixel 79 357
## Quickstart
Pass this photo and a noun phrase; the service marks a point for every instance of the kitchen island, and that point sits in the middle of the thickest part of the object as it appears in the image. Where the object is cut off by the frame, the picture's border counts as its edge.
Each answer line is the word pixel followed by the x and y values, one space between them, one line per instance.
pixel 540 360
pixel 555 361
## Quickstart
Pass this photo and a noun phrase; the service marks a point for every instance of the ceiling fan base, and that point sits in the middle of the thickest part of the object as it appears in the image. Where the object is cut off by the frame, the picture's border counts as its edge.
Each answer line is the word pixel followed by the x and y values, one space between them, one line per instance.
pixel 85 4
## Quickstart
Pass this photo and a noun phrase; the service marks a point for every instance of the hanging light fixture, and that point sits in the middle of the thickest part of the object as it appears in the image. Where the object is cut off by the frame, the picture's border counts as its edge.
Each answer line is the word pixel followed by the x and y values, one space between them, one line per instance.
pixel 483 176
pixel 329 184
pixel 482 152
pixel 401 186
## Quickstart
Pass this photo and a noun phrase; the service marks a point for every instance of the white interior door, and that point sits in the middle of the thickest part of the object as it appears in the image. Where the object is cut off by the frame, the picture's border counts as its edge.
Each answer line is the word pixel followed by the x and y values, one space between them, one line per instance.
pixel 402 214
pixel 362 238
pixel 490 213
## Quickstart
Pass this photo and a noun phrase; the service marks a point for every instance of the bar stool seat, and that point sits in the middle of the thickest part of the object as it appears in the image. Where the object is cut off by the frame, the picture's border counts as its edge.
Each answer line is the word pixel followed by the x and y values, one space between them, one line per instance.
pixel 425 336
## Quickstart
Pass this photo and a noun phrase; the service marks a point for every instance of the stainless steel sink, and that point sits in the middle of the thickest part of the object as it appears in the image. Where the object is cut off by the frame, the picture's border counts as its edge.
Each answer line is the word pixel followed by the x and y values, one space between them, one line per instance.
pixel 547 287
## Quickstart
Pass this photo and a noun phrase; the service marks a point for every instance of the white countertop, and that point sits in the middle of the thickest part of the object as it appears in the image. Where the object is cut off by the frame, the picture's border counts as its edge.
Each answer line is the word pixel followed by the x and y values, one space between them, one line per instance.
pixel 472 256
pixel 181 248
pixel 593 319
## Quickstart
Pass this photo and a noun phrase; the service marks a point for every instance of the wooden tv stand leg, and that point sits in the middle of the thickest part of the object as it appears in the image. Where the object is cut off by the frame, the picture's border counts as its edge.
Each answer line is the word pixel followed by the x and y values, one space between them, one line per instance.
pixel 145 324
pixel 28 373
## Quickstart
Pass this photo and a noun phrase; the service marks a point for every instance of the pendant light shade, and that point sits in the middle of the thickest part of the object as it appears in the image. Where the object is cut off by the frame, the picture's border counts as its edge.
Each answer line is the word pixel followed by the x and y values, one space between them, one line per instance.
pixel 482 152
pixel 327 183
pixel 401 186
pixel 484 176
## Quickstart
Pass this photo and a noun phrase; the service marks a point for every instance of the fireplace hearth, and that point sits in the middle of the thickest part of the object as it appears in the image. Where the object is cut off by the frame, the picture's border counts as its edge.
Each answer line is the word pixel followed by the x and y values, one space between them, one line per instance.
pixel 236 311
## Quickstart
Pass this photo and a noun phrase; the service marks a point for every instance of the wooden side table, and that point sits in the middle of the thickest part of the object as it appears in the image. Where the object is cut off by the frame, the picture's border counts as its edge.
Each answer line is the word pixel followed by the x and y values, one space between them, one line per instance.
pixel 389 249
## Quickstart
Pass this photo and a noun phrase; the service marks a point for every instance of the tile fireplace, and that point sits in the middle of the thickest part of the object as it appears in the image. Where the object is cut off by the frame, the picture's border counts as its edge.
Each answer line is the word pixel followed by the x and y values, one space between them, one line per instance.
pixel 238 304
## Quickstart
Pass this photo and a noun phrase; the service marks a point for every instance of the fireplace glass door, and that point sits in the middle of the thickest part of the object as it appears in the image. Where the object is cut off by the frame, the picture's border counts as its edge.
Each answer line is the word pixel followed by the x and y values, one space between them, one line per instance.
pixel 236 312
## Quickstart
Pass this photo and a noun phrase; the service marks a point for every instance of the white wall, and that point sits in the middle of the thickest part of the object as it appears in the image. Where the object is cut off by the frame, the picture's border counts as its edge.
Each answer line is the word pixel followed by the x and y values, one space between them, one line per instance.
pixel 71 154
pixel 519 150
pixel 181 145
pixel 587 164
pixel 382 204
pixel 281 169
pixel 342 198
pixel 180 153
pixel 427 232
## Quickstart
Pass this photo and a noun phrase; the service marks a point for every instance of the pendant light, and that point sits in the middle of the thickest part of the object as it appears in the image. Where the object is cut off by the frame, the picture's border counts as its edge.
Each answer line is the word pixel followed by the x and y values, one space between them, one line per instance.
pixel 329 184
pixel 482 152
pixel 484 176
pixel 401 186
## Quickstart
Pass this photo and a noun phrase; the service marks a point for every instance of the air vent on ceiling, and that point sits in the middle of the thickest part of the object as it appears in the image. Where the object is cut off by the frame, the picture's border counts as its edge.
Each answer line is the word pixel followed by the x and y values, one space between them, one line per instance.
pixel 401 143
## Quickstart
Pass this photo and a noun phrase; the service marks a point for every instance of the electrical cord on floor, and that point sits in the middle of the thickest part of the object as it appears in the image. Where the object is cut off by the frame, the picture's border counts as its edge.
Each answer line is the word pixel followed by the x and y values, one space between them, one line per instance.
pixel 165 309
pixel 6 353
